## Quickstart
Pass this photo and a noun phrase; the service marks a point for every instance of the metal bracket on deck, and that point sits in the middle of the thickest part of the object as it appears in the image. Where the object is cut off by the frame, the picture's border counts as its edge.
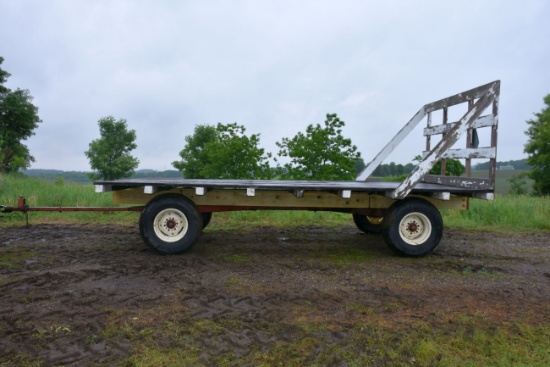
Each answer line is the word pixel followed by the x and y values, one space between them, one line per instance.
pixel 344 194
pixel 442 195
pixel 484 195
pixel 103 188
pixel 149 189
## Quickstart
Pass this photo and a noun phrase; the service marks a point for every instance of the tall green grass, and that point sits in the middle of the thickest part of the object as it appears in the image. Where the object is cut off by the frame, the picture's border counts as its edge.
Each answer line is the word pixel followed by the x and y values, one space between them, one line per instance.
pixel 505 213
pixel 41 193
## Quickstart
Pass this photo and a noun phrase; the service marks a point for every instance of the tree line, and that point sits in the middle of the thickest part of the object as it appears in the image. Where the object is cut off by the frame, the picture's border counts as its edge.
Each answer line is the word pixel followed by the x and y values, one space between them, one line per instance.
pixel 84 176
pixel 520 164
pixel 226 151
pixel 321 152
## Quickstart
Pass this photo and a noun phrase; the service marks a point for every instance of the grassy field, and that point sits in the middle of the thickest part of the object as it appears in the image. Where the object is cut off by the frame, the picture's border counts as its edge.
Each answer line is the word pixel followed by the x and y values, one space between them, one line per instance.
pixel 505 213
pixel 502 185
pixel 38 192
pixel 460 339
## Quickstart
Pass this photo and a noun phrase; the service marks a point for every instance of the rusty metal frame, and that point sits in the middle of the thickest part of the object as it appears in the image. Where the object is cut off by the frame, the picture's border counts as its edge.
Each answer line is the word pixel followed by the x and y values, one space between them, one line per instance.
pixel 23 207
pixel 478 100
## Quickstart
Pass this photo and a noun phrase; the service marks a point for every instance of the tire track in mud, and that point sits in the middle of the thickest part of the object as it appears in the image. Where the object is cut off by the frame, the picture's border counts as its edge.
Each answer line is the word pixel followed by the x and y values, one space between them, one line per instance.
pixel 239 293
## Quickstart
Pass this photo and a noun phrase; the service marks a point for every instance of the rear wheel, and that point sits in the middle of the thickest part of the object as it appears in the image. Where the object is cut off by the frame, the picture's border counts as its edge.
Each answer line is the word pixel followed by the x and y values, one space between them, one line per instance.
pixel 206 217
pixel 412 227
pixel 170 224
pixel 368 224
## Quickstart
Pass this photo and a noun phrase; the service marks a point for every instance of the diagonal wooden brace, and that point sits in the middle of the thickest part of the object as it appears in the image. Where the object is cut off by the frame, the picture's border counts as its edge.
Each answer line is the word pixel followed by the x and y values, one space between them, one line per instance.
pixel 447 142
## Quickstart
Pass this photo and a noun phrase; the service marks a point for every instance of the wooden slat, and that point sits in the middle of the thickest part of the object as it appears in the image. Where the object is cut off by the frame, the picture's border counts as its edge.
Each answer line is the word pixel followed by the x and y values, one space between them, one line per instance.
pixel 494 135
pixel 484 152
pixel 483 121
pixel 471 94
pixel 465 182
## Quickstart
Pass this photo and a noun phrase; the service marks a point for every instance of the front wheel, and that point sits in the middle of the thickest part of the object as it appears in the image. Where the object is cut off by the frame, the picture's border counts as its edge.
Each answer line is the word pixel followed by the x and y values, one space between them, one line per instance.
pixel 170 224
pixel 412 227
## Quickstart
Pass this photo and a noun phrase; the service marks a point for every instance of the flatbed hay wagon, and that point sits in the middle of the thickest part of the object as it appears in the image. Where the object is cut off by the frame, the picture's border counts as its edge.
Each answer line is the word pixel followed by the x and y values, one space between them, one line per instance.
pixel 174 212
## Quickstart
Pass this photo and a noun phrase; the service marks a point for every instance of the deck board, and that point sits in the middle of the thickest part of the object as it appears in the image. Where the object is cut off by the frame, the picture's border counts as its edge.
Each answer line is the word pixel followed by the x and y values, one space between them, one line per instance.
pixel 365 186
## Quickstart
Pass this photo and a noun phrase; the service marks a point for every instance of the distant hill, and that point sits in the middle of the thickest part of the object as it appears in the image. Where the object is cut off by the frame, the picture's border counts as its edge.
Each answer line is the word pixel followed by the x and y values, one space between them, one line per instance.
pixel 383 170
pixel 52 175
pixel 157 174
pixel 519 164
pixel 82 177
pixel 392 169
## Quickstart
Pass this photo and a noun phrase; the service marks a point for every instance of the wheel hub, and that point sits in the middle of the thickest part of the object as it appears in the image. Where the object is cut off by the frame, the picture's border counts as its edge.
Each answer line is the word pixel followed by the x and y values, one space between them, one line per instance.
pixel 412 227
pixel 171 223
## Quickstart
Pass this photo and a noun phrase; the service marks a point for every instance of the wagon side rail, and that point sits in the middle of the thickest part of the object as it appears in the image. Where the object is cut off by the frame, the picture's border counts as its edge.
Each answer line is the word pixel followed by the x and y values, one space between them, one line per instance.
pixel 478 100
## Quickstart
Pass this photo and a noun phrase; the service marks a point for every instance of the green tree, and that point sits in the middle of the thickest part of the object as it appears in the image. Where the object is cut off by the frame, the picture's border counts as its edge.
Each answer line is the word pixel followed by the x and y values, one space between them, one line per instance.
pixel 538 149
pixel 322 153
pixel 4 75
pixel 359 165
pixel 223 152
pixel 18 120
pixel 453 167
pixel 194 157
pixel 110 155
pixel 234 155
pixel 518 183
pixel 393 170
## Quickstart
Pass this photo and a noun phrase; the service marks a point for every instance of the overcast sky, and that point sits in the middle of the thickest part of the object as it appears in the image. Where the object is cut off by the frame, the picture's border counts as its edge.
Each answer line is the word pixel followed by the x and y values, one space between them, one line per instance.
pixel 273 66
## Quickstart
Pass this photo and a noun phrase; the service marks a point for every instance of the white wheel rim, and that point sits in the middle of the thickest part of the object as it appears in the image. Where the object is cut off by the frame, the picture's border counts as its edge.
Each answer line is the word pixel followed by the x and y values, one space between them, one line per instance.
pixel 415 228
pixel 170 225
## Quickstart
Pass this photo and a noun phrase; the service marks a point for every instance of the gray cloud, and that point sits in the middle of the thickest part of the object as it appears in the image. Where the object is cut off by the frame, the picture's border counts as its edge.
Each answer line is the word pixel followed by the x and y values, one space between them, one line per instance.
pixel 273 66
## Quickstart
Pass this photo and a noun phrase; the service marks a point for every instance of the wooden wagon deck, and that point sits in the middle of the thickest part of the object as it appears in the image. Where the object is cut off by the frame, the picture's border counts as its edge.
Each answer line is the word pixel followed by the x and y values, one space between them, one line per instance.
pixel 372 186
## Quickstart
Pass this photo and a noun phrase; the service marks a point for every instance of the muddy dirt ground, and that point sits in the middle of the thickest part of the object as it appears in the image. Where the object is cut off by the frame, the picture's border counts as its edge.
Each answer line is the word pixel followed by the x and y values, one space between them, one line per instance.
pixel 86 295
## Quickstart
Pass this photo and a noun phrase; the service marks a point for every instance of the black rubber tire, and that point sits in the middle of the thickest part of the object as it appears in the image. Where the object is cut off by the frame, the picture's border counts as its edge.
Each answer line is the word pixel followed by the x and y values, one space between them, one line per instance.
pixel 368 224
pixel 412 227
pixel 206 217
pixel 170 224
